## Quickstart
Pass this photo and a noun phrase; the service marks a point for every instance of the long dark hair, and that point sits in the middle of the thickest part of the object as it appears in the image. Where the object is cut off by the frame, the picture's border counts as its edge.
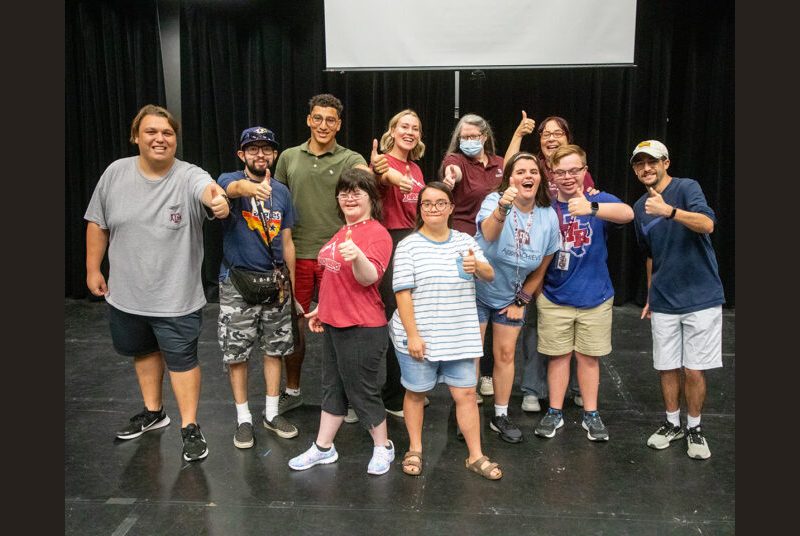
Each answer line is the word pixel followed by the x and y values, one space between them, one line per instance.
pixel 435 185
pixel 356 178
pixel 542 198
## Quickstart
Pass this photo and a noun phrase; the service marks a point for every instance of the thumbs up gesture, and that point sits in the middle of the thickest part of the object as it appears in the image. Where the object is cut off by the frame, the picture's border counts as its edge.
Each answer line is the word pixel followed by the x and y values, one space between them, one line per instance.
pixel 470 262
pixel 219 204
pixel 508 196
pixel 380 164
pixel 525 126
pixel 406 183
pixel 655 205
pixel 261 190
pixel 347 249
pixel 579 206
pixel 450 174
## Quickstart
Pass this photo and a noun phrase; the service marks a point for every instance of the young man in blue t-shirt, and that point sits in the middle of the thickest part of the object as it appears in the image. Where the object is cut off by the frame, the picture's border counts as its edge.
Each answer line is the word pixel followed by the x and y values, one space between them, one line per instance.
pixel 685 296
pixel 257 236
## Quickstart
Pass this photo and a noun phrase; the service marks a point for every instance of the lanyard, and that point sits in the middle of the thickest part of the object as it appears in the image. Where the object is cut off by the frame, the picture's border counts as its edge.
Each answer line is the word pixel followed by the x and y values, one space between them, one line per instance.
pixel 563 229
pixel 519 238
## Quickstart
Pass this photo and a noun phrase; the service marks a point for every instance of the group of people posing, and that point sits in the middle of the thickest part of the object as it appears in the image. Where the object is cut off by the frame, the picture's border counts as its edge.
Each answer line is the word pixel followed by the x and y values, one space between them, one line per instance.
pixel 407 277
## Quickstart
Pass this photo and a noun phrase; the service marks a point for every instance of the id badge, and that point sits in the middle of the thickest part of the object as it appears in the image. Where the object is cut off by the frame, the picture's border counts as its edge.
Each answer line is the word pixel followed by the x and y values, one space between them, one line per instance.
pixel 562 262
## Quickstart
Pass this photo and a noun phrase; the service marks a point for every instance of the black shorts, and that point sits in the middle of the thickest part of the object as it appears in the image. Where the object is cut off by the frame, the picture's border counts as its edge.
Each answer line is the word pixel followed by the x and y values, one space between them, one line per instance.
pixel 175 336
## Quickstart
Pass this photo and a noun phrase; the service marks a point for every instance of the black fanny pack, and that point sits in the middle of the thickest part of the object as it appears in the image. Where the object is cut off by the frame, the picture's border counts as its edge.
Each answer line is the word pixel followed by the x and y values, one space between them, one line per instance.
pixel 262 288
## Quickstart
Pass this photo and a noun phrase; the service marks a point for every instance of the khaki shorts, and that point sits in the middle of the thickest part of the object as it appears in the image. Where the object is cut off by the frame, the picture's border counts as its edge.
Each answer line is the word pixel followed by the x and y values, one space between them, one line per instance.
pixel 562 328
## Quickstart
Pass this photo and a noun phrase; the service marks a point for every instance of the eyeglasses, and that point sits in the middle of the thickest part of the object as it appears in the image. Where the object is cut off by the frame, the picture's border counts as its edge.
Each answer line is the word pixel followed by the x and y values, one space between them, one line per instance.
pixel 473 137
pixel 441 204
pixel 255 149
pixel 329 121
pixel 554 134
pixel 574 172
pixel 351 196
pixel 639 164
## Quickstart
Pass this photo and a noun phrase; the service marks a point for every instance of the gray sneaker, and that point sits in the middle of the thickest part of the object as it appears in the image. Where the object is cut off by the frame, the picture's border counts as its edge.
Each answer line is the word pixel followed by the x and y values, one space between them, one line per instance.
pixel 595 429
pixel 697 445
pixel 665 435
pixel 507 430
pixel 243 438
pixel 578 399
pixel 288 402
pixel 351 416
pixel 531 403
pixel 548 425
pixel 281 426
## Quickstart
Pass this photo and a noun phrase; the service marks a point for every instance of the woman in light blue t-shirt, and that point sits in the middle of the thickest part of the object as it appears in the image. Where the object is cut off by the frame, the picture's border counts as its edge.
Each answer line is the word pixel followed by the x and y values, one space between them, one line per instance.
pixel 518 232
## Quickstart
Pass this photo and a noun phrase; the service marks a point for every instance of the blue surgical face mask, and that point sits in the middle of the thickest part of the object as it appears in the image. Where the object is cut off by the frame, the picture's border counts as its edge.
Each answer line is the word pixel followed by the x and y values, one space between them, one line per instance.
pixel 470 147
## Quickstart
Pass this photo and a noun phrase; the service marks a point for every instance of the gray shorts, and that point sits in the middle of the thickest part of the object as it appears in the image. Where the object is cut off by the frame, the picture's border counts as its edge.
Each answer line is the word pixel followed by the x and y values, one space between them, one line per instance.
pixel 241 326
pixel 690 340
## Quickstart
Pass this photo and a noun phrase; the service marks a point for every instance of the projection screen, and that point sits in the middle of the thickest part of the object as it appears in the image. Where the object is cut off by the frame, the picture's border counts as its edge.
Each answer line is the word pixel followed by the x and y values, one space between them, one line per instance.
pixel 453 34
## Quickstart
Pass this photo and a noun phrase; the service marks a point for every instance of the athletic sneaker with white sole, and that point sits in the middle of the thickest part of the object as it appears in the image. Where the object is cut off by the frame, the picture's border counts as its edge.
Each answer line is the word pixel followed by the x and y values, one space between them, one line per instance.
pixel 665 435
pixel 552 421
pixel 313 456
pixel 697 444
pixel 531 403
pixel 144 422
pixel 382 459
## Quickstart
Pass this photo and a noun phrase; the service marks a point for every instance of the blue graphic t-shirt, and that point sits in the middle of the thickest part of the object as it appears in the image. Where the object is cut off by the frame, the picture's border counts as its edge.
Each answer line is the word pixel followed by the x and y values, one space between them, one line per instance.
pixel 244 239
pixel 586 282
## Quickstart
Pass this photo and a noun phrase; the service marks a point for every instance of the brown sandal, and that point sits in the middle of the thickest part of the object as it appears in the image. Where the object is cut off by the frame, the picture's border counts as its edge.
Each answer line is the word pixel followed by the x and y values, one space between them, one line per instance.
pixel 484 467
pixel 412 467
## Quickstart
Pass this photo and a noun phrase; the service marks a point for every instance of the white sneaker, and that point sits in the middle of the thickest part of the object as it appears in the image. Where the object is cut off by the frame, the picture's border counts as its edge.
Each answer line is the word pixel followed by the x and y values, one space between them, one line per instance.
pixel 382 459
pixel 486 387
pixel 578 400
pixel 313 456
pixel 531 403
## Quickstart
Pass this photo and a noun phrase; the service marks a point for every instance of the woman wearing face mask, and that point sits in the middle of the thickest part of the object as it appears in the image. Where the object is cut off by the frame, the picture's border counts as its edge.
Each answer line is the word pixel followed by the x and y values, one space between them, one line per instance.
pixel 400 180
pixel 553 132
pixel 472 170
pixel 518 232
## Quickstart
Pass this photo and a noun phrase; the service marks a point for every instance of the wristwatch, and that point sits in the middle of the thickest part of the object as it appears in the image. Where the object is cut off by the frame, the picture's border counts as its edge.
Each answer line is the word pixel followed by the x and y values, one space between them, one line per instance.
pixel 595 208
pixel 519 303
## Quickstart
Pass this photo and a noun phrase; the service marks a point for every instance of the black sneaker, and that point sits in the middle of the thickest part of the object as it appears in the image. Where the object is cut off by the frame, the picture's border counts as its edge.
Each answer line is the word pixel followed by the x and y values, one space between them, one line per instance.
pixel 509 432
pixel 243 438
pixel 194 444
pixel 144 422
pixel 552 421
pixel 595 429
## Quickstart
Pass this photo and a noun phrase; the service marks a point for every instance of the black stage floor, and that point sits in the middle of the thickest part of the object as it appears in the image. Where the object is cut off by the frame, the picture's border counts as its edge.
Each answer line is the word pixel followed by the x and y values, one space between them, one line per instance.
pixel 565 485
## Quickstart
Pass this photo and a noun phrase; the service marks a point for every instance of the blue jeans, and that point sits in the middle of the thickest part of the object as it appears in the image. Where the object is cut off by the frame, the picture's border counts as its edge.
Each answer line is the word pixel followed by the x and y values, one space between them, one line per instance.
pixel 534 366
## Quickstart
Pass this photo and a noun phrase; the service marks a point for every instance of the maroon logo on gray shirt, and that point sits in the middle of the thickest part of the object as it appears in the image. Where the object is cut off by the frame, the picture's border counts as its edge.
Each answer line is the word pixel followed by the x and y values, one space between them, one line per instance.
pixel 175 217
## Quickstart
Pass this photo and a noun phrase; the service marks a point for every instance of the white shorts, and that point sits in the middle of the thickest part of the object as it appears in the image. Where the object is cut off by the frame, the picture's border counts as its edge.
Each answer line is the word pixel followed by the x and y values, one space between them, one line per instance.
pixel 691 340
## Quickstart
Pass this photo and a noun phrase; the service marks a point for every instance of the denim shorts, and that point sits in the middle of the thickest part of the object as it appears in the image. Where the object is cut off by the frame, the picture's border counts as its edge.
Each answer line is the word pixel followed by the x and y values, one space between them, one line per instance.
pixel 484 312
pixel 176 337
pixel 422 376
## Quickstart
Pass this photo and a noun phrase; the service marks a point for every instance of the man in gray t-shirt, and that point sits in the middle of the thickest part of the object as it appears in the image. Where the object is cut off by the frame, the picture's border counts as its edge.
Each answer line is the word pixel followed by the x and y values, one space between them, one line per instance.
pixel 148 212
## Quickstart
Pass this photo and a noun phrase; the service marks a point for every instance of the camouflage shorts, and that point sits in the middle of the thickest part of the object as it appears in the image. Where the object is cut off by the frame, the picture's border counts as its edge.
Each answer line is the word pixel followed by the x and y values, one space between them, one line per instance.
pixel 242 325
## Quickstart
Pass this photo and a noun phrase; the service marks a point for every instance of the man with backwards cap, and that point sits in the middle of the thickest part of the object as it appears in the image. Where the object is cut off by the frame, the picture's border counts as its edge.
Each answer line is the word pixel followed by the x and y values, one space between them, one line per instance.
pixel 257 236
pixel 685 296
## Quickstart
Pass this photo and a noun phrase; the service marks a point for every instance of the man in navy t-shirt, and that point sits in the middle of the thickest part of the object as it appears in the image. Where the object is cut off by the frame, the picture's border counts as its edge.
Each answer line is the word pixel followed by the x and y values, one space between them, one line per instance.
pixel 673 223
pixel 257 236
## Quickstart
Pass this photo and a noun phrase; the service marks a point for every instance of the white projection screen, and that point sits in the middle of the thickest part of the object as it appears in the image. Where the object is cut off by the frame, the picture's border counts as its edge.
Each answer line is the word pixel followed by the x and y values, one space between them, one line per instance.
pixel 451 34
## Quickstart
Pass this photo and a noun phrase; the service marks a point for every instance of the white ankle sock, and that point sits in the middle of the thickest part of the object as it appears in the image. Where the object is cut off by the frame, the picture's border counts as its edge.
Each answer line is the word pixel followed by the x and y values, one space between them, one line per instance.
pixel 500 410
pixel 674 417
pixel 243 413
pixel 691 422
pixel 272 407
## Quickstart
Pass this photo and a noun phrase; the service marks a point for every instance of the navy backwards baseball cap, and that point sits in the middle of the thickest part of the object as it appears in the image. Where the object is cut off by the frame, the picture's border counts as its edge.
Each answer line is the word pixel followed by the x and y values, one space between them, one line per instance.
pixel 253 134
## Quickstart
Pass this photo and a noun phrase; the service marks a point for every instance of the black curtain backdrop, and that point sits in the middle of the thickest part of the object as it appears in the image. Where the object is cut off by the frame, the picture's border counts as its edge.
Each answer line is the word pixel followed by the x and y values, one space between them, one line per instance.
pixel 113 68
pixel 246 62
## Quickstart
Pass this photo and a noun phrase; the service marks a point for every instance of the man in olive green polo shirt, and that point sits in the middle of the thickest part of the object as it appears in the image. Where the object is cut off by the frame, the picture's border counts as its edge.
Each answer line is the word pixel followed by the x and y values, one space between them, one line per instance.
pixel 311 171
